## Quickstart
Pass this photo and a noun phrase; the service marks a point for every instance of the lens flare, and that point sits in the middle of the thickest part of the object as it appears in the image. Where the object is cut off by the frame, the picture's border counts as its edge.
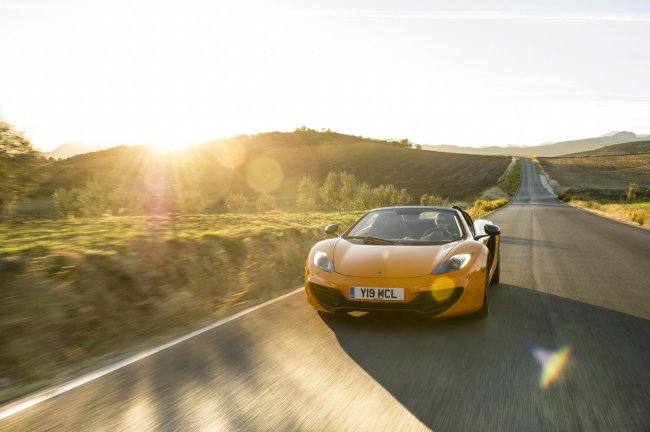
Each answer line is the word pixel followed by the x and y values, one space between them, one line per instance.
pixel 442 283
pixel 442 295
pixel 551 363
pixel 231 154
pixel 264 174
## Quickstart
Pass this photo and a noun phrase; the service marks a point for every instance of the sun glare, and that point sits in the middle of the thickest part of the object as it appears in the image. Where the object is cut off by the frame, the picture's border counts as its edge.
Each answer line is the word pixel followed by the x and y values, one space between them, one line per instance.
pixel 168 146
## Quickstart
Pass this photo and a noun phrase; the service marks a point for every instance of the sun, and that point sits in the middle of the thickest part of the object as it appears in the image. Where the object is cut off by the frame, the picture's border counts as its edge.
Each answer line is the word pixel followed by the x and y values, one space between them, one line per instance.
pixel 168 146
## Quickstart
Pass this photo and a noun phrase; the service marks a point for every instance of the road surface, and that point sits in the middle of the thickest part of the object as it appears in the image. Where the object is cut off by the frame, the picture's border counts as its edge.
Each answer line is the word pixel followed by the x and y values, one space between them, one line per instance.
pixel 566 347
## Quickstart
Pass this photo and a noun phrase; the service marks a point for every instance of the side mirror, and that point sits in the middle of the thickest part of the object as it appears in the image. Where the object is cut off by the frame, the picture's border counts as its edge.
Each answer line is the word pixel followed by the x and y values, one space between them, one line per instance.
pixel 332 229
pixel 490 231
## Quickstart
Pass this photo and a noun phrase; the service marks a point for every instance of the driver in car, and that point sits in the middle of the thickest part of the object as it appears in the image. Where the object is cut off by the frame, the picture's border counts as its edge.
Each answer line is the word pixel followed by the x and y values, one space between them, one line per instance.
pixel 443 228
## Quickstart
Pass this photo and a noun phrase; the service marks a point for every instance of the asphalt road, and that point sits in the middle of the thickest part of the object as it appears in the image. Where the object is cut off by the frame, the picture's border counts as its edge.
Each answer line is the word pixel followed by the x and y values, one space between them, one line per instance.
pixel 575 292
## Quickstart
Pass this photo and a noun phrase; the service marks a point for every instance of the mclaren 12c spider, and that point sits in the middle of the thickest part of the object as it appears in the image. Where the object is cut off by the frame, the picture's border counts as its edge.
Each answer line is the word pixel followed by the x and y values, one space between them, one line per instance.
pixel 433 261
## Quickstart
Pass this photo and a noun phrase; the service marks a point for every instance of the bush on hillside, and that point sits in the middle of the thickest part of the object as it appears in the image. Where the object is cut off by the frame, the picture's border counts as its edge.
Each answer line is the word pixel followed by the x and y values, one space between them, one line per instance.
pixel 433 200
pixel 236 203
pixel 307 193
pixel 265 202
pixel 339 190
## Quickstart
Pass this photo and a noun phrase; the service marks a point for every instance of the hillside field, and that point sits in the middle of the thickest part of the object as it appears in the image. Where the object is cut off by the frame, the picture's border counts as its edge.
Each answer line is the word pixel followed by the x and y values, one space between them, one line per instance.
pixel 608 174
pixel 618 149
pixel 273 163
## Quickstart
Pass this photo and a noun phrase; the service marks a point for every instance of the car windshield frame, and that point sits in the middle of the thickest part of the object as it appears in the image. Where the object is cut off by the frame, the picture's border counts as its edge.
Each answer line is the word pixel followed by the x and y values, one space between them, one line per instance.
pixel 411 218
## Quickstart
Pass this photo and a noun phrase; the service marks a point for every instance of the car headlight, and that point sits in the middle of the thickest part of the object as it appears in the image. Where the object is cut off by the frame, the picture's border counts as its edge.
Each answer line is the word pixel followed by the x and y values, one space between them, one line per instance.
pixel 323 262
pixel 454 263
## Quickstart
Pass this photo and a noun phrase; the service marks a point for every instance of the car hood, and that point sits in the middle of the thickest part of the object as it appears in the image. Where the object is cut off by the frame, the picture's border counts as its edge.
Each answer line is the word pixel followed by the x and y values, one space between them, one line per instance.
pixel 362 260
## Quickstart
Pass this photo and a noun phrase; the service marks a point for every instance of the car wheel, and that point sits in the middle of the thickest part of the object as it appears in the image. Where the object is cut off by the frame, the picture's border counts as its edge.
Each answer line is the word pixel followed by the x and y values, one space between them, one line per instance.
pixel 497 271
pixel 485 309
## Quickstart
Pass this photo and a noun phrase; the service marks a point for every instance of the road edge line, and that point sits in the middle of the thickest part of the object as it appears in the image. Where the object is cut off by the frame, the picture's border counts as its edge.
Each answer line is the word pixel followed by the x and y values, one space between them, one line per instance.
pixel 31 401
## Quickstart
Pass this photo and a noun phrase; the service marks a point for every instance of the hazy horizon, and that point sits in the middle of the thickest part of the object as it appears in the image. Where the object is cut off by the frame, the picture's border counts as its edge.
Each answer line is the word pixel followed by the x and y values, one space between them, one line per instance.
pixel 97 147
pixel 475 74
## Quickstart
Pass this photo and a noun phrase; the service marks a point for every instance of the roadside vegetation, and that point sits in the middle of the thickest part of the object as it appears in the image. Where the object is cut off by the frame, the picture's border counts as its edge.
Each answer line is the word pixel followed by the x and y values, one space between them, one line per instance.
pixel 78 290
pixel 617 186
pixel 105 253
pixel 634 208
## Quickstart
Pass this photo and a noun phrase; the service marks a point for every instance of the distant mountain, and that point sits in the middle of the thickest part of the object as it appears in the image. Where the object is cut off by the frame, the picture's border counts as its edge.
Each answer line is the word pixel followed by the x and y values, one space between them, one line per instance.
pixel 547 150
pixel 72 148
pixel 618 149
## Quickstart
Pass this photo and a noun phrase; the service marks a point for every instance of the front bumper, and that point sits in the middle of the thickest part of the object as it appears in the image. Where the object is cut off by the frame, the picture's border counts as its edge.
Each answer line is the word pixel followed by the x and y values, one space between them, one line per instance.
pixel 433 295
pixel 423 303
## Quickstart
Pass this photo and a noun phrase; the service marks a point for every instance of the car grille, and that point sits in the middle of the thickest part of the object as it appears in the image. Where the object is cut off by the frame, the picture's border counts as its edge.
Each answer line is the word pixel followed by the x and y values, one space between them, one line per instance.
pixel 332 300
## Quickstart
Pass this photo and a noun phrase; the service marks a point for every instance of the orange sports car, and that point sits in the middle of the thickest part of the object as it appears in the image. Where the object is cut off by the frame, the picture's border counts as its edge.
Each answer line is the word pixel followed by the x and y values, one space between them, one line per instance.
pixel 434 261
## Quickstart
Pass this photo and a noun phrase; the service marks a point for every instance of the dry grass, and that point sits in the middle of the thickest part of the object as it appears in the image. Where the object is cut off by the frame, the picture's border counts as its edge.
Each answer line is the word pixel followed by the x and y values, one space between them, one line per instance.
pixel 77 291
pixel 637 213
pixel 599 172
pixel 481 207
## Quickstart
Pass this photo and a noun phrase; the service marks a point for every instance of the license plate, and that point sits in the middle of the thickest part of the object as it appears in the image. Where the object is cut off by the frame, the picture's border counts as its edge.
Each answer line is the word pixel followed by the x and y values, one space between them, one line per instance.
pixel 376 293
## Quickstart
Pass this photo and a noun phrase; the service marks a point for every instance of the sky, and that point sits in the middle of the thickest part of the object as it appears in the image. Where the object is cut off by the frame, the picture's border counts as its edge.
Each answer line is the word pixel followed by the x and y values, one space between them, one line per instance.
pixel 465 72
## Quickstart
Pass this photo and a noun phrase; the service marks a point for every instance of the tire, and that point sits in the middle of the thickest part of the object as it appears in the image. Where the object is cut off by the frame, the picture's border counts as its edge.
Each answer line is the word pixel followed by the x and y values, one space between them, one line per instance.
pixel 497 272
pixel 485 309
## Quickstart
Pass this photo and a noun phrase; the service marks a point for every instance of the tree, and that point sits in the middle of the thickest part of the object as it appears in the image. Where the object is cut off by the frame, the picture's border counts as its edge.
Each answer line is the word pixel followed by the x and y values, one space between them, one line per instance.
pixel 384 195
pixel 632 191
pixel 265 202
pixel 418 146
pixel 67 201
pixel 363 197
pixel 307 192
pixel 403 197
pixel 339 190
pixel 236 203
pixel 433 200
pixel 405 143
pixel 17 161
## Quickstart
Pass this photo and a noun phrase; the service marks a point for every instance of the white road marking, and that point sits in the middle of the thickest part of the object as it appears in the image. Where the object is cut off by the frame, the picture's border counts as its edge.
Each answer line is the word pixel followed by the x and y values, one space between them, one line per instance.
pixel 33 401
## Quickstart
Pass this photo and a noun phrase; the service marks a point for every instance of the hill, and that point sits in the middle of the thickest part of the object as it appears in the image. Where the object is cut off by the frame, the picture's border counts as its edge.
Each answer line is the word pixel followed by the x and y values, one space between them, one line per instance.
pixel 70 149
pixel 546 150
pixel 599 176
pixel 249 164
pixel 618 149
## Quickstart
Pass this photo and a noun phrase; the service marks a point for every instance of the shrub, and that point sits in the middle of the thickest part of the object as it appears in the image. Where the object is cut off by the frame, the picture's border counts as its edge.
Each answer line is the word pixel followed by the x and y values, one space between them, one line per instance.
pixel 433 200
pixel 236 203
pixel 265 202
pixel 67 201
pixel 638 218
pixel 481 207
pixel 307 193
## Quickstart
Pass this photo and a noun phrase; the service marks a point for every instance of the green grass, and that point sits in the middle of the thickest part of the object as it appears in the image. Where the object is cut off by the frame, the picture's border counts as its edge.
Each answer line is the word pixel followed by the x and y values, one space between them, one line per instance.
pixel 509 182
pixel 81 235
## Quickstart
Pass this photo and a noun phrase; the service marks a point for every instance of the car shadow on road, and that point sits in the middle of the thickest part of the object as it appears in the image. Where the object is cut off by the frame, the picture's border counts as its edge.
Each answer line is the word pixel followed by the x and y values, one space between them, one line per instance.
pixel 538 362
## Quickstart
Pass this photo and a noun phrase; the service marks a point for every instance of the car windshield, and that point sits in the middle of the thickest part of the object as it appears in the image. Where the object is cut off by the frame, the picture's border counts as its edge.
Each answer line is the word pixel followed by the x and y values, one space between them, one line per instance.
pixel 407 226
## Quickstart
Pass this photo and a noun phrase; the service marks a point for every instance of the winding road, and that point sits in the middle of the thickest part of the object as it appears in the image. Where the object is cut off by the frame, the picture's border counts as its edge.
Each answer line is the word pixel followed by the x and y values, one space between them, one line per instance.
pixel 566 347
